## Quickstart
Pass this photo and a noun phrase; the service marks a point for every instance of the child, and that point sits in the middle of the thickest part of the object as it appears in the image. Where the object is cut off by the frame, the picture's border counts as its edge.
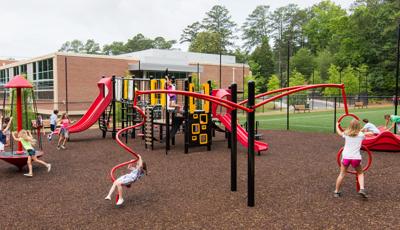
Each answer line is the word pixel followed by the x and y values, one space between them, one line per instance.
pixel 64 133
pixel 369 129
pixel 53 123
pixel 4 132
pixel 172 99
pixel 27 141
pixel 39 124
pixel 137 172
pixel 351 155
pixel 394 119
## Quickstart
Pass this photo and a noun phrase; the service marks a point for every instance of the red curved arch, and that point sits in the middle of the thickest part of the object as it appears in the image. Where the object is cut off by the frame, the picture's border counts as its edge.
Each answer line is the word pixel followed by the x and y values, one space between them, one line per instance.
pixel 271 92
pixel 226 103
pixel 295 90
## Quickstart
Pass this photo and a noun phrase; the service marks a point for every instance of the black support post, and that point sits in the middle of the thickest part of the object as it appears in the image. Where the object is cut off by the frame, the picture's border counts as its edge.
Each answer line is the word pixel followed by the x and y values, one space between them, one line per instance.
pixel 210 121
pixel 250 149
pixel 114 131
pixel 186 112
pixel 397 75
pixel 334 116
pixel 234 139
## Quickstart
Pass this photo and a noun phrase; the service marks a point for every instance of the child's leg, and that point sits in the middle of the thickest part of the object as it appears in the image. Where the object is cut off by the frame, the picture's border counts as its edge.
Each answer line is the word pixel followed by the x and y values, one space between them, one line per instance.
pixel 360 176
pixel 112 189
pixel 60 140
pixel 30 165
pixel 341 176
pixel 119 186
pixel 40 161
pixel 65 140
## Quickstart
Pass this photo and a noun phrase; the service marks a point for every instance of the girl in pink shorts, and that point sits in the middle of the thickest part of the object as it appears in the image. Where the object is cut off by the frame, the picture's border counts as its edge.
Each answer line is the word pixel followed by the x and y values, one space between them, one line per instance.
pixel 351 155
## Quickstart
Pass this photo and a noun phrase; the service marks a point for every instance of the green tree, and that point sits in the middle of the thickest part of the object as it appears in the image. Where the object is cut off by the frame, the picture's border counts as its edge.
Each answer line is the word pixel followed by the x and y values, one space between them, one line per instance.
pixel 206 42
pixel 256 27
pixel 323 24
pixel 296 78
pixel 262 65
pixel 139 42
pixel 333 78
pixel 91 47
pixel 75 46
pixel 273 83
pixel 115 48
pixel 219 21
pixel 190 32
pixel 161 43
pixel 323 61
pixel 303 62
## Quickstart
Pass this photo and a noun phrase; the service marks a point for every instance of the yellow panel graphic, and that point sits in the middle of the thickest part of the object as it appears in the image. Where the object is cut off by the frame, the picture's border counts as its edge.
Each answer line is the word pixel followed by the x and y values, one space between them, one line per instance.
pixel 206 104
pixel 204 127
pixel 195 129
pixel 195 116
pixel 192 105
pixel 194 138
pixel 153 84
pixel 203 119
pixel 203 139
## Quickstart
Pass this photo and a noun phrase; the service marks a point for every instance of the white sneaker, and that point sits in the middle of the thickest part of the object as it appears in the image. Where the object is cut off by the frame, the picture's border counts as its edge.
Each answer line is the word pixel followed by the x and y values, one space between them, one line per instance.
pixel 108 198
pixel 48 167
pixel 28 175
pixel 58 147
pixel 120 201
pixel 63 147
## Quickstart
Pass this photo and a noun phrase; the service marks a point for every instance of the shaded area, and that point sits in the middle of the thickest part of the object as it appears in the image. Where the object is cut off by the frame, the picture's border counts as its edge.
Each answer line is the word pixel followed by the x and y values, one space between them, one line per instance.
pixel 294 183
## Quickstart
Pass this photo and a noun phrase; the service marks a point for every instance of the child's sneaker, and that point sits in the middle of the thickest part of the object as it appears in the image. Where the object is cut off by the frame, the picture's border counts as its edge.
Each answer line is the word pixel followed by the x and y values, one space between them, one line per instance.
pixel 49 137
pixel 58 147
pixel 63 147
pixel 28 175
pixel 48 167
pixel 363 193
pixel 337 194
pixel 108 198
pixel 120 201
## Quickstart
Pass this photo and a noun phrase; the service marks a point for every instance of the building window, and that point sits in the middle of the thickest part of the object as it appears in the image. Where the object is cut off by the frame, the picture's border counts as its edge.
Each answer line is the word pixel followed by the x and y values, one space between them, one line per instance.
pixel 43 79
pixel 23 69
pixel 16 70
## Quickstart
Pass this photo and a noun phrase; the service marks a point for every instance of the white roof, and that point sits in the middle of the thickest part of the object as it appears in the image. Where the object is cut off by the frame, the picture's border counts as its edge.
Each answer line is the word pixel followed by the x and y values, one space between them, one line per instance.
pixel 178 57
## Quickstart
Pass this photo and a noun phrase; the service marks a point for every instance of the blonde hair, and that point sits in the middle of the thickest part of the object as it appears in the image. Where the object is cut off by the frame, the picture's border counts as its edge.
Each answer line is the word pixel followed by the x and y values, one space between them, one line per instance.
pixel 354 128
pixel 23 134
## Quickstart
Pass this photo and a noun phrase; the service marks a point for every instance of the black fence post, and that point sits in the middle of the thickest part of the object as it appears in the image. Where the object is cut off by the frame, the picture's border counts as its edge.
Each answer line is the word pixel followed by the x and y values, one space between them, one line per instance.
pixel 234 139
pixel 250 149
pixel 114 118
pixel 334 116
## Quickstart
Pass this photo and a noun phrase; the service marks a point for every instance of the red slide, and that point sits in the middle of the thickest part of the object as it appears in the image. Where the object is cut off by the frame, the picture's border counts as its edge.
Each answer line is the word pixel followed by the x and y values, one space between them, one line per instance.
pixel 226 121
pixel 96 109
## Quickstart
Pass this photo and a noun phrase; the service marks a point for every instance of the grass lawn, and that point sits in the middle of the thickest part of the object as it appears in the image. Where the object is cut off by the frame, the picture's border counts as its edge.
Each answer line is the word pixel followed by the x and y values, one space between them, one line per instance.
pixel 316 121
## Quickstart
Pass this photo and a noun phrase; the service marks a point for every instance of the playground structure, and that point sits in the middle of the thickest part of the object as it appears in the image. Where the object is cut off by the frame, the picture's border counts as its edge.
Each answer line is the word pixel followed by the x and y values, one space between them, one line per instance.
pixel 232 106
pixel 20 86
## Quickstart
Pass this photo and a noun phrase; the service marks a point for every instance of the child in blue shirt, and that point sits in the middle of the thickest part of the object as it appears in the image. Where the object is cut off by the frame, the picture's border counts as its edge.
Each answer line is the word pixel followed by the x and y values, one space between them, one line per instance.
pixel 53 123
pixel 137 172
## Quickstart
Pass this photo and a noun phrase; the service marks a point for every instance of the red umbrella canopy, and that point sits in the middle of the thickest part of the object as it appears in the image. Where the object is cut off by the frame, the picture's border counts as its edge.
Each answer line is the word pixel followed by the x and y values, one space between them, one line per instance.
pixel 18 82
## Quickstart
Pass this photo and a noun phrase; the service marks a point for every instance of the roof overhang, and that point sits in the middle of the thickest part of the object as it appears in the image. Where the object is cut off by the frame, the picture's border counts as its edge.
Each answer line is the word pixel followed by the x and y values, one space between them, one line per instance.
pixel 163 67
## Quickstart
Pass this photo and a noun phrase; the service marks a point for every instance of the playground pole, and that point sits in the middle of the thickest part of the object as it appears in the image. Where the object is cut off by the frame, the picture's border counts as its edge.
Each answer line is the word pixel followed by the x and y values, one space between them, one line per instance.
pixel 19 118
pixel 397 74
pixel 287 79
pixel 250 146
pixel 234 139
pixel 334 118
pixel 114 119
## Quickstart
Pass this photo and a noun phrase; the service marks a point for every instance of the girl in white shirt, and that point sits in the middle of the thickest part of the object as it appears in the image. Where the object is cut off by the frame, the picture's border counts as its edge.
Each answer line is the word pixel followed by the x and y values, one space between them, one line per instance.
pixel 351 155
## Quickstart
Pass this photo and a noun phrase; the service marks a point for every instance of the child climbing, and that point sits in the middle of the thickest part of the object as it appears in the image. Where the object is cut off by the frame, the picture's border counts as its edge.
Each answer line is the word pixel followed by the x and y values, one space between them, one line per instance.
pixel 351 155
pixel 4 131
pixel 394 119
pixel 27 141
pixel 369 129
pixel 137 172
pixel 172 99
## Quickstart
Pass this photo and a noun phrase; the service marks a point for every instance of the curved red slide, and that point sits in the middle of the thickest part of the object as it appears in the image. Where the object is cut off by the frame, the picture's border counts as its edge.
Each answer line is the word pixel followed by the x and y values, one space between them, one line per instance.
pixel 96 109
pixel 385 141
pixel 225 119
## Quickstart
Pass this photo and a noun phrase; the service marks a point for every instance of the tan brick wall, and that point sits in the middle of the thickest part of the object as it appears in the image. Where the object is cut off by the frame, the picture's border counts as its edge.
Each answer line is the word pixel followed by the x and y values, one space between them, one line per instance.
pixel 211 72
pixel 83 73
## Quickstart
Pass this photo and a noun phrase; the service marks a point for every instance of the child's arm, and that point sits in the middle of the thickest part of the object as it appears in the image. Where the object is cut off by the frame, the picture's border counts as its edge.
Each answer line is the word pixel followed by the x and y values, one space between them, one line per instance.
pixel 15 138
pixel 8 125
pixel 29 133
pixel 338 131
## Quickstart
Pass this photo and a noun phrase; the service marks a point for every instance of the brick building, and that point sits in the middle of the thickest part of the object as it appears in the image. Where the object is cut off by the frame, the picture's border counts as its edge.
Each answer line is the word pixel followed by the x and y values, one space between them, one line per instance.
pixel 67 81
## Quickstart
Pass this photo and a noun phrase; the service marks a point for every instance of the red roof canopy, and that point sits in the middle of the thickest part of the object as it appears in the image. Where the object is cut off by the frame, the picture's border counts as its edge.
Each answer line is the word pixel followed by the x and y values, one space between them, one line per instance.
pixel 18 82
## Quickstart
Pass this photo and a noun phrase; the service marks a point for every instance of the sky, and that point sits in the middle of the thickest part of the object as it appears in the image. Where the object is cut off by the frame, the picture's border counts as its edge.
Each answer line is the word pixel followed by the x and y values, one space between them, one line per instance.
pixel 31 28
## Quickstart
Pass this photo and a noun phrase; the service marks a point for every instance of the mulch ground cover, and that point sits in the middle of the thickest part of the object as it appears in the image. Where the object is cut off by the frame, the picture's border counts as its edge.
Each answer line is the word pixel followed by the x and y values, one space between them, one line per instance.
pixel 294 188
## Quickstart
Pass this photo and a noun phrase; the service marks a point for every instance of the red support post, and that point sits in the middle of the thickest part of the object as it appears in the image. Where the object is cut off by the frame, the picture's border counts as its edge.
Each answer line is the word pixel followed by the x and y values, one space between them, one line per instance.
pixel 19 118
